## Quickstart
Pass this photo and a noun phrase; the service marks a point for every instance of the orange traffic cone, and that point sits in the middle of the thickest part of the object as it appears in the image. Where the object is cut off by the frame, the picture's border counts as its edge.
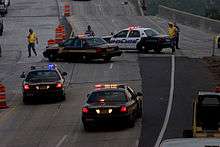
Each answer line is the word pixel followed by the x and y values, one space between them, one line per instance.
pixel 3 104
pixel 50 42
pixel 67 10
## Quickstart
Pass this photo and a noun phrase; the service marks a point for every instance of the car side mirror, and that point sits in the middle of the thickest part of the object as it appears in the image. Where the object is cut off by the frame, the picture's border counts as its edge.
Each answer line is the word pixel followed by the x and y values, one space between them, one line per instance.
pixel 88 95
pixel 64 74
pixel 112 33
pixel 22 75
pixel 139 94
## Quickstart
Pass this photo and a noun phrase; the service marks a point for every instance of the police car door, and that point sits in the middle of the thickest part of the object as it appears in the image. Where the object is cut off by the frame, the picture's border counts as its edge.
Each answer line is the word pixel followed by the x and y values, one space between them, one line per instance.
pixel 120 39
pixel 133 38
pixel 67 46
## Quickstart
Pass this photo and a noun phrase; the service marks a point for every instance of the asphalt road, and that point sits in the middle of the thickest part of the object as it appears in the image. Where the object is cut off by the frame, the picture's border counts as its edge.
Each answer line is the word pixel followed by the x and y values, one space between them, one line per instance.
pixel 58 123
pixel 191 75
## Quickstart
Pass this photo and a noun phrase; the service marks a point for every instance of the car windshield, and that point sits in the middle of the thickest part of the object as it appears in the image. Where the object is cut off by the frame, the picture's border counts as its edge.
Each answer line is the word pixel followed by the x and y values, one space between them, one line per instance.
pixel 95 41
pixel 151 32
pixel 107 96
pixel 208 112
pixel 42 75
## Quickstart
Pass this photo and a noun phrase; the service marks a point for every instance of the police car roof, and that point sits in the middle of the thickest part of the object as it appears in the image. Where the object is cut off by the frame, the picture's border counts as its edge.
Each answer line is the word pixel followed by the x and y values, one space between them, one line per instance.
pixel 203 93
pixel 137 28
pixel 191 142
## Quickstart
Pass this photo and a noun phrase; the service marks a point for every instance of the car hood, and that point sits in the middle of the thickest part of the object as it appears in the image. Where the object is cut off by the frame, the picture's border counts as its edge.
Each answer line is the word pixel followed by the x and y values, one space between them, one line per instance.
pixel 162 36
pixel 54 46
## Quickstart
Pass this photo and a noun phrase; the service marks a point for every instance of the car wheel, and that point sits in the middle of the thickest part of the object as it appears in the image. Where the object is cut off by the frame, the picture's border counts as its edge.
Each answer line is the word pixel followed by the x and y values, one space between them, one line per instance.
pixel 131 121
pixel 107 59
pixel 63 98
pixel 25 100
pixel 187 134
pixel 51 57
pixel 139 113
pixel 87 127
pixel 158 50
pixel 142 48
pixel 1 32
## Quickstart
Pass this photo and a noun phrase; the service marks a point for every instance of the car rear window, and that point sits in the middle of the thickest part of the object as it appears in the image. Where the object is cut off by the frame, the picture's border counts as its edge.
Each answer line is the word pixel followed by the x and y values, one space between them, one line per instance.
pixel 151 32
pixel 107 96
pixel 95 41
pixel 49 75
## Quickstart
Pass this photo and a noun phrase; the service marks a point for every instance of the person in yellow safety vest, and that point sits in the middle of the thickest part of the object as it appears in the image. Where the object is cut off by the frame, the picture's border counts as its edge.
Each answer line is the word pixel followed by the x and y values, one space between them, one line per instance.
pixel 172 35
pixel 32 39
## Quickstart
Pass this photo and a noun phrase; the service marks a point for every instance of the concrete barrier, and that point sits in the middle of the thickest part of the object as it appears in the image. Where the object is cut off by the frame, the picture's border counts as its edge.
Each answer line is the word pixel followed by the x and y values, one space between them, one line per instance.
pixel 195 21
pixel 68 26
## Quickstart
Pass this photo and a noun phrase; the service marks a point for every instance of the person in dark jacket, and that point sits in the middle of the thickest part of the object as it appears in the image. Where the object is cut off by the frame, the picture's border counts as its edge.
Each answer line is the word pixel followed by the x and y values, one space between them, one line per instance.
pixel 89 31
pixel 177 35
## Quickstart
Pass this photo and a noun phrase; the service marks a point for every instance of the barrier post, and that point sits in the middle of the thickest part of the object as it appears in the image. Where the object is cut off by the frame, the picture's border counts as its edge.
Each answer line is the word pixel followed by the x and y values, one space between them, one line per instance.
pixel 213 46
pixel 3 104
pixel 0 50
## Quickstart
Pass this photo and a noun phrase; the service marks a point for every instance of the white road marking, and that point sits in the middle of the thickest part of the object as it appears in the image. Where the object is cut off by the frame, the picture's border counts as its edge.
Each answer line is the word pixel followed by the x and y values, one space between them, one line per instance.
pixel 111 65
pixel 169 107
pixel 61 141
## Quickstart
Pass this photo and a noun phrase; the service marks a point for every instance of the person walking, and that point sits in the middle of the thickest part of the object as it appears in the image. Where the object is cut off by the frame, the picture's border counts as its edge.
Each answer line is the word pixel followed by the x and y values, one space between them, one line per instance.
pixel 32 39
pixel 89 31
pixel 177 35
pixel 172 35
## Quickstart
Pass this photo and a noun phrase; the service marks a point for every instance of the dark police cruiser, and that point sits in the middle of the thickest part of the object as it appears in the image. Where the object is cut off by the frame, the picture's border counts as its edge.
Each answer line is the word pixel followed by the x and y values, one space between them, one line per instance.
pixel 112 103
pixel 140 38
pixel 43 82
pixel 82 47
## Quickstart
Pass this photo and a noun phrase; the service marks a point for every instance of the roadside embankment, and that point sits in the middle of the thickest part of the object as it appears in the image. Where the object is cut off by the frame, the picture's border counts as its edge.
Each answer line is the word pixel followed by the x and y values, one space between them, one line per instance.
pixel 195 21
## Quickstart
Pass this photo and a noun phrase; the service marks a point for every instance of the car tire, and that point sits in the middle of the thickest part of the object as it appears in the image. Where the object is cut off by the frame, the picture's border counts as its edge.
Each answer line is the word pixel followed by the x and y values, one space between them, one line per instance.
pixel 87 127
pixel 187 134
pixel 63 98
pixel 1 32
pixel 107 59
pixel 131 121
pixel 25 100
pixel 139 111
pixel 51 57
pixel 142 48
pixel 158 50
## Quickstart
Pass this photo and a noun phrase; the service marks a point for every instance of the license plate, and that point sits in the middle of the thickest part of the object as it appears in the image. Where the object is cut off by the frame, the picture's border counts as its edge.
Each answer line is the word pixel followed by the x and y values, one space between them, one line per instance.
pixel 43 87
pixel 103 111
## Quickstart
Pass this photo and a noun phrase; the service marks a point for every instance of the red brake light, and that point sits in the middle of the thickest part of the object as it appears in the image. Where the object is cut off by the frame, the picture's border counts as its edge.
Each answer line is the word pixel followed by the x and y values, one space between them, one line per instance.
pixel 26 87
pixel 99 50
pixel 85 110
pixel 123 109
pixel 59 85
pixel 217 89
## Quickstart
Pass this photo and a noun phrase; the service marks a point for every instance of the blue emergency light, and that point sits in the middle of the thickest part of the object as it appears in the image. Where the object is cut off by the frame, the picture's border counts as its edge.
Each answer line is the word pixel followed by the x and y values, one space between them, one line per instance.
pixel 51 66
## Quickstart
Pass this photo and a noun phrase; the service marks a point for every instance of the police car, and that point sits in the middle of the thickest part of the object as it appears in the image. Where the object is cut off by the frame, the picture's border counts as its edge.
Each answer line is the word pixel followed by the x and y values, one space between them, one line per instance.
pixel 112 103
pixel 140 38
pixel 191 142
pixel 43 82
pixel 82 47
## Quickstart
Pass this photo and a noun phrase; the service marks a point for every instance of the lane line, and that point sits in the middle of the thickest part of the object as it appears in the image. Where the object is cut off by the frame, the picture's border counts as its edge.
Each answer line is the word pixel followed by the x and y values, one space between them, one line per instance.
pixel 61 141
pixel 111 66
pixel 169 107
pixel 5 116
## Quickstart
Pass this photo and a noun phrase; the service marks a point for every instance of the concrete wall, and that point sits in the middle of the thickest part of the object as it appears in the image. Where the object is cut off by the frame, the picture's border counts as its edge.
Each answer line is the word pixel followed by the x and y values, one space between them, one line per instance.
pixel 202 23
